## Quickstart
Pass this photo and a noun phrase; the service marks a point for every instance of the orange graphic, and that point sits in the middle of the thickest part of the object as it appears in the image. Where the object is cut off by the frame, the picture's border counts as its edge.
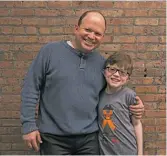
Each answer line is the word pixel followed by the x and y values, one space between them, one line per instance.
pixel 107 115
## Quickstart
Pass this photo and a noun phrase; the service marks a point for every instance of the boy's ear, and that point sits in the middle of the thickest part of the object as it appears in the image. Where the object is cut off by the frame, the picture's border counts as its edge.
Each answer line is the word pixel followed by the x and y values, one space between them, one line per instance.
pixel 129 77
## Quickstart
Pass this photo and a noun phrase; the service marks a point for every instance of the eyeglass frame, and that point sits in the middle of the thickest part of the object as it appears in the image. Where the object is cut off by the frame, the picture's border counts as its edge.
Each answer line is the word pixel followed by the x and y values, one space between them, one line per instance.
pixel 121 72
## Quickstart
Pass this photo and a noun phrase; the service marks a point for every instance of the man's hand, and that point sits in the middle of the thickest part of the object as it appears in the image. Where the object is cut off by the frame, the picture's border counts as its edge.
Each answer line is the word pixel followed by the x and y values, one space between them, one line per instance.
pixel 33 140
pixel 138 109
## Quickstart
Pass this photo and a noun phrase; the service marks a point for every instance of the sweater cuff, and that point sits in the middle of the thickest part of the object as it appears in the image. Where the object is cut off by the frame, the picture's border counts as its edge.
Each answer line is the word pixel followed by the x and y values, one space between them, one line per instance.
pixel 29 127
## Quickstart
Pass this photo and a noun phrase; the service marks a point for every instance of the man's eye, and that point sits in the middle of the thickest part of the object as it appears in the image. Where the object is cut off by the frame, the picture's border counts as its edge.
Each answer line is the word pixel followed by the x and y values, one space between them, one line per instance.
pixel 88 30
pixel 98 34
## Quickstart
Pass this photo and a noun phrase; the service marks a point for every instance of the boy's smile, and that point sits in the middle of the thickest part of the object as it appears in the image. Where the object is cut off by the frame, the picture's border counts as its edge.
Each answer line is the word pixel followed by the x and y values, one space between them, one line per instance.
pixel 115 77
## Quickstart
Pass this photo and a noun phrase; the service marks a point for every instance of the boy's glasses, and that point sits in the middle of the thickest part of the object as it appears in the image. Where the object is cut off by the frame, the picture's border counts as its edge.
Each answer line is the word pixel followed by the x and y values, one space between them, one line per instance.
pixel 114 70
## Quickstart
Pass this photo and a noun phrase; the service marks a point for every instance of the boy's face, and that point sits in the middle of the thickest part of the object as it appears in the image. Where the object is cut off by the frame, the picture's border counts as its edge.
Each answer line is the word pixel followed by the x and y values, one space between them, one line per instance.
pixel 115 76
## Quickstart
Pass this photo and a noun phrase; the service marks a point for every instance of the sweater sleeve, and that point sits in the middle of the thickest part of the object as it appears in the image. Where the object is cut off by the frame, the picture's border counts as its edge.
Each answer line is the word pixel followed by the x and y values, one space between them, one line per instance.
pixel 33 83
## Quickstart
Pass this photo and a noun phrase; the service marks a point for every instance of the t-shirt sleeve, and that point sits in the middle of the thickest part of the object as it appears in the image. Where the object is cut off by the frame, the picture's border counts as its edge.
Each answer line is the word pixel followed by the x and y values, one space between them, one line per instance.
pixel 130 97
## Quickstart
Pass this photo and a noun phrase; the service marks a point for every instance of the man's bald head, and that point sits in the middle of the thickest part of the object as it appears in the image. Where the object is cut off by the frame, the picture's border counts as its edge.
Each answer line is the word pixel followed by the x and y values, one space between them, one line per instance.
pixel 91 12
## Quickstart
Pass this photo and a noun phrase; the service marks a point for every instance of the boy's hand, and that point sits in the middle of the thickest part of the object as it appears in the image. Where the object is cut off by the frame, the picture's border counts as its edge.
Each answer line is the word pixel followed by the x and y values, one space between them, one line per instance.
pixel 138 109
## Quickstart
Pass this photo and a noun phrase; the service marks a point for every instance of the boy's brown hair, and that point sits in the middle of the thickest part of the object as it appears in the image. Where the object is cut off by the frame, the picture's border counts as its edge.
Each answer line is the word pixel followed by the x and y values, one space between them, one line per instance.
pixel 122 60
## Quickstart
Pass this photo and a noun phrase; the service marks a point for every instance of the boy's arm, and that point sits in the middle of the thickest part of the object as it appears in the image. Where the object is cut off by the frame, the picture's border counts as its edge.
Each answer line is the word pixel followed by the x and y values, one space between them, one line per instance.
pixel 139 134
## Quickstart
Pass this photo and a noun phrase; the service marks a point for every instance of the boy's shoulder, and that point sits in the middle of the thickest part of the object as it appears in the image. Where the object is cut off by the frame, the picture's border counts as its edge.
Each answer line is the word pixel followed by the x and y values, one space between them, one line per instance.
pixel 128 90
pixel 129 95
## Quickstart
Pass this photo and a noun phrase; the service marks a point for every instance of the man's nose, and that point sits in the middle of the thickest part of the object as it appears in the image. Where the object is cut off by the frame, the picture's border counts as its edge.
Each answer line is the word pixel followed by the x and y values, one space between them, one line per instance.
pixel 91 35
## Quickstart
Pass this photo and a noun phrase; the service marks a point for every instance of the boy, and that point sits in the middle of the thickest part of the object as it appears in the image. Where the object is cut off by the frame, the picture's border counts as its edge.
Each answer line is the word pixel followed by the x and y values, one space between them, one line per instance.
pixel 120 133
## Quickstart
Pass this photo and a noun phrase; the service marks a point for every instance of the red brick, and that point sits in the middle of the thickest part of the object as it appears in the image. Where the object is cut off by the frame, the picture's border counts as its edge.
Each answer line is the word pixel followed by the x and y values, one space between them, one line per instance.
pixel 148 39
pixel 10 114
pixel 22 12
pixel 6 30
pixel 126 30
pixel 149 4
pixel 124 39
pixel 150 30
pixel 162 39
pixel 46 12
pixel 161 152
pixel 4 12
pixel 25 39
pixel 112 13
pixel 45 30
pixel 143 80
pixel 46 39
pixel 126 5
pixel 155 47
pixel 19 146
pixel 161 121
pixel 32 47
pixel 128 47
pixel 146 21
pixel 149 151
pixel 162 106
pixel 18 30
pixel 31 30
pixel 110 47
pixel 155 113
pixel 136 13
pixel 161 129
pixel 159 80
pixel 149 129
pixel 10 98
pixel 83 4
pixel 5 146
pixel 120 21
pixel 57 4
pixel 10 123
pixel 156 64
pixel 162 21
pixel 9 107
pixel 34 21
pixel 58 21
pixel 10 130
pixel 11 138
pixel 146 89
pixel 161 136
pixel 105 4
pixel 6 64
pixel 10 89
pixel 156 144
pixel 6 4
pixel 30 4
pixel 157 13
pixel 10 21
pixel 148 121
pixel 150 137
pixel 150 105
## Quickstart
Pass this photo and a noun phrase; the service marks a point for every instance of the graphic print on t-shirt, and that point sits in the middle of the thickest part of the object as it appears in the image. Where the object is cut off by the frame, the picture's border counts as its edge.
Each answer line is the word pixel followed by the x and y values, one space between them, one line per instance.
pixel 107 114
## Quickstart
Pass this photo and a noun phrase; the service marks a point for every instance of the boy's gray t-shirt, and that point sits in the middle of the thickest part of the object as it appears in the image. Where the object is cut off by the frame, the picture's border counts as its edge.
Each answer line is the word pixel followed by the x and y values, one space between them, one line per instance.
pixel 116 135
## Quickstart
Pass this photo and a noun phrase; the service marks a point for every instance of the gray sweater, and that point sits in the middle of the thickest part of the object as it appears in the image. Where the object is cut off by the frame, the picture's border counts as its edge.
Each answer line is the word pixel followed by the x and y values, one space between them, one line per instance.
pixel 66 83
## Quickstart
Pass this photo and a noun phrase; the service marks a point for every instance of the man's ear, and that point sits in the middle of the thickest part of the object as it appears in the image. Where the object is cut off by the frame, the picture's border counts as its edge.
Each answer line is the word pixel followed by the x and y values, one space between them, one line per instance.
pixel 76 27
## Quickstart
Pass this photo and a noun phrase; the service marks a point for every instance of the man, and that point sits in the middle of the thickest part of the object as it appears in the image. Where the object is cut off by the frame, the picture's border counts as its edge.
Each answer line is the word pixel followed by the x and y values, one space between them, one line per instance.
pixel 67 79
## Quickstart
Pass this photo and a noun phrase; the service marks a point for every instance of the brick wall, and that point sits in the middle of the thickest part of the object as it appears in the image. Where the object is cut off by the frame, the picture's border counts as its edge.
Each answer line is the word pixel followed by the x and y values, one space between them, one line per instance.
pixel 135 27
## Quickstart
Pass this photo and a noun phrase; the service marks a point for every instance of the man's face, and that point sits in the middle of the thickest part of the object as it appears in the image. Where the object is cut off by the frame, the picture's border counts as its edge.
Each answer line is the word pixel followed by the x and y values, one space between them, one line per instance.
pixel 90 33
